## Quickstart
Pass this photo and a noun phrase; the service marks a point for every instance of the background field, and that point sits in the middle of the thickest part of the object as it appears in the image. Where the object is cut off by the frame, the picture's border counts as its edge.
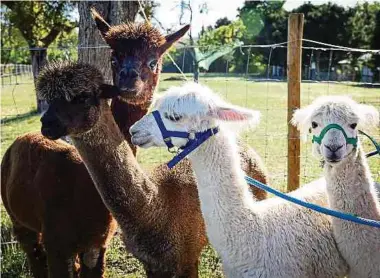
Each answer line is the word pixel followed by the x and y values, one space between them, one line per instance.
pixel 269 139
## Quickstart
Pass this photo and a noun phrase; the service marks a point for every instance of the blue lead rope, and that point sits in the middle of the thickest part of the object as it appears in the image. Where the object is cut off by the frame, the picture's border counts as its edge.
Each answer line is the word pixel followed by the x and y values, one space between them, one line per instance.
pixel 197 138
pixel 377 145
pixel 334 213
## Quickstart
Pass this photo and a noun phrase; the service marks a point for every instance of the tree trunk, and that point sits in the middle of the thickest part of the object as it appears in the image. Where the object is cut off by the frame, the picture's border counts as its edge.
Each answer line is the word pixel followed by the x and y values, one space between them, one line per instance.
pixel 38 61
pixel 114 12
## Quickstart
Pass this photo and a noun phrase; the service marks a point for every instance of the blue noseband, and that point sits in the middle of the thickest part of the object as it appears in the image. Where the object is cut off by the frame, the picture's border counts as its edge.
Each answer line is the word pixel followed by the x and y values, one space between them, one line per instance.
pixel 195 139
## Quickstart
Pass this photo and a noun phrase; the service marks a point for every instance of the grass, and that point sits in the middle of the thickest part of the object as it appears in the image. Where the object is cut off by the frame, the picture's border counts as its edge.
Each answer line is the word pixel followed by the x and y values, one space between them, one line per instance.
pixel 269 139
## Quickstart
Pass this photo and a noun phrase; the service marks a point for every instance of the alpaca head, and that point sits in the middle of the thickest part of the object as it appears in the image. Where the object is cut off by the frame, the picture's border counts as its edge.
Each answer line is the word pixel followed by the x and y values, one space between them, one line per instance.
pixel 74 93
pixel 333 121
pixel 191 108
pixel 136 57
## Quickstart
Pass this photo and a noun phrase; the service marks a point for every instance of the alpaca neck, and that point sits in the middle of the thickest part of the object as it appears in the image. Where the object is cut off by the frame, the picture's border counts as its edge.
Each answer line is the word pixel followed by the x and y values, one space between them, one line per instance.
pixel 126 115
pixel 350 186
pixel 124 187
pixel 222 189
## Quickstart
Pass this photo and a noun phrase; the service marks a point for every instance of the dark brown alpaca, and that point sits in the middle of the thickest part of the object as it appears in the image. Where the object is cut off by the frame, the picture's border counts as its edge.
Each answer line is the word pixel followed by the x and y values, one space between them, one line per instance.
pixel 136 70
pixel 25 161
pixel 160 219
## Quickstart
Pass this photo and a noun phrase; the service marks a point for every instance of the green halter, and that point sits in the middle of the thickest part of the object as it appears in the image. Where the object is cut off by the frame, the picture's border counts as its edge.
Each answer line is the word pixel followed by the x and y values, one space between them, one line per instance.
pixel 353 140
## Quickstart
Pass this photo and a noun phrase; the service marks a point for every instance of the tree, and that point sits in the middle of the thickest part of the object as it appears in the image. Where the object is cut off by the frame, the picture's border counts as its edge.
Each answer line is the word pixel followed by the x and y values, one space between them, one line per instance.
pixel 219 42
pixel 14 47
pixel 266 23
pixel 212 43
pixel 40 23
pixel 362 24
pixel 375 44
pixel 222 22
pixel 114 12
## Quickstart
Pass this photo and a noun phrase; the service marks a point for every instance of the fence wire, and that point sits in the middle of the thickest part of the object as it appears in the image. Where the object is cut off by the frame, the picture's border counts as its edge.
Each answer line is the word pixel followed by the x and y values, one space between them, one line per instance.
pixel 247 77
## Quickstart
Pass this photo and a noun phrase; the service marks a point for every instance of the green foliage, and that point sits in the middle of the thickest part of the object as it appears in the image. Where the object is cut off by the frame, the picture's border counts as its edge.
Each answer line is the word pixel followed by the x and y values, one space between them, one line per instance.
pixel 327 23
pixel 36 24
pixel 225 35
pixel 222 22
pixel 14 47
pixel 265 21
pixel 64 47
pixel 13 259
pixel 363 25
pixel 39 22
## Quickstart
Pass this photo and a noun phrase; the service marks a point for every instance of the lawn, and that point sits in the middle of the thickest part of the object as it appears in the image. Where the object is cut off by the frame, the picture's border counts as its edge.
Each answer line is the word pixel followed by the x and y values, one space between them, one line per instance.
pixel 269 139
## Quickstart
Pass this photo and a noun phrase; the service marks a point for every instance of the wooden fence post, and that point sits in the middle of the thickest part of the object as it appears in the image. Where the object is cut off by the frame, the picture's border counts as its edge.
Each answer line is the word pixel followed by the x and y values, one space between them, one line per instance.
pixel 294 61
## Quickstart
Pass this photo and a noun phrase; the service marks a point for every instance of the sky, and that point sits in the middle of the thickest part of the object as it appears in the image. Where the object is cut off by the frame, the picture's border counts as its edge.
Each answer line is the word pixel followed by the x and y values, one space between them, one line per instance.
pixel 168 11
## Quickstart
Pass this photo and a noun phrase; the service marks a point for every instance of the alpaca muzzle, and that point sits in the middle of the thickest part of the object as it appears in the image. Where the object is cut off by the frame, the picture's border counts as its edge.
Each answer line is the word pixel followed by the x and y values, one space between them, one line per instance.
pixel 52 128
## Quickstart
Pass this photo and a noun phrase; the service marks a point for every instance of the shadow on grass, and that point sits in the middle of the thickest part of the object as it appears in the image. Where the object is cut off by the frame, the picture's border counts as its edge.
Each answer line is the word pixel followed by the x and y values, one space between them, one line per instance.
pixel 18 118
pixel 367 85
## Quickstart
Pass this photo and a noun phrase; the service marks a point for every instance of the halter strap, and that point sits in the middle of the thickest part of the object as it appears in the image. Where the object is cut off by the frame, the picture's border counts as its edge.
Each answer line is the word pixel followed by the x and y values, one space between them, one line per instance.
pixel 350 140
pixel 167 134
pixel 195 139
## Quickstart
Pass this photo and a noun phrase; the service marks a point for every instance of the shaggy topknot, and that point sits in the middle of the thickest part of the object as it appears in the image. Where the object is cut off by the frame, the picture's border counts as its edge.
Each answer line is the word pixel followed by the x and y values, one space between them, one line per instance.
pixel 135 35
pixel 65 80
pixel 129 36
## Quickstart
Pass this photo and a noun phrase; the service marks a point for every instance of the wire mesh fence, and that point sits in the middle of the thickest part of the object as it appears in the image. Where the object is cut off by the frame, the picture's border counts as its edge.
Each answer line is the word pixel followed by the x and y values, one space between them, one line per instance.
pixel 250 76
pixel 253 76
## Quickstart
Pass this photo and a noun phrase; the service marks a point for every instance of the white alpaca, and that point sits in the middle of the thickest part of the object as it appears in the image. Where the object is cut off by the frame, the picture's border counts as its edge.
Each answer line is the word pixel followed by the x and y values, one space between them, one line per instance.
pixel 270 238
pixel 350 187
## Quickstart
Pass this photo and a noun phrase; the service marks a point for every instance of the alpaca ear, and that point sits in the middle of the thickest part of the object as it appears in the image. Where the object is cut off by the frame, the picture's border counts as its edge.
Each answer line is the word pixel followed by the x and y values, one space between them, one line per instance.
pixel 301 119
pixel 236 114
pixel 102 25
pixel 369 117
pixel 172 38
pixel 108 91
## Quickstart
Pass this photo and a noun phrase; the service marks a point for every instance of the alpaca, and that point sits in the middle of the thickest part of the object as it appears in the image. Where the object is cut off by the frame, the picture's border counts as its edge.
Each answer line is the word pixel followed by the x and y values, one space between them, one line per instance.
pixel 36 170
pixel 270 238
pixel 31 153
pixel 160 218
pixel 350 187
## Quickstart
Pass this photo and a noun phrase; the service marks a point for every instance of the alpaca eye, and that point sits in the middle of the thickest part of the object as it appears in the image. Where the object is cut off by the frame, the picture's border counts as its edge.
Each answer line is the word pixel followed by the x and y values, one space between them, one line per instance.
pixel 314 125
pixel 78 100
pixel 173 118
pixel 353 126
pixel 152 64
pixel 114 62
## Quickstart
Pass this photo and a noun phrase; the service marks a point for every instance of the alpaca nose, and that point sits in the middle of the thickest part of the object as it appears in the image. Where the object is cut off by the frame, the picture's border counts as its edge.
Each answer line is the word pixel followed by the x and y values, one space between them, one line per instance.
pixel 131 73
pixel 333 148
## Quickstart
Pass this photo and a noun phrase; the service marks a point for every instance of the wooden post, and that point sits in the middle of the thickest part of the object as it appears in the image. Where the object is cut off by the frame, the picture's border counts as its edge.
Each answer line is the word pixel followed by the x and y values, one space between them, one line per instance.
pixel 295 34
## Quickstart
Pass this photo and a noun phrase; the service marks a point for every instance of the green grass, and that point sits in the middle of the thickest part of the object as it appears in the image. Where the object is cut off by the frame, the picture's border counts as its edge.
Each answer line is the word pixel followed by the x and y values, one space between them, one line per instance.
pixel 269 139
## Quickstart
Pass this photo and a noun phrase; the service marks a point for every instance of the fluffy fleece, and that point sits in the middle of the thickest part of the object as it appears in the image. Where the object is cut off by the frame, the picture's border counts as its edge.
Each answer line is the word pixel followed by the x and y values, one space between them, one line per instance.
pixel 270 238
pixel 350 186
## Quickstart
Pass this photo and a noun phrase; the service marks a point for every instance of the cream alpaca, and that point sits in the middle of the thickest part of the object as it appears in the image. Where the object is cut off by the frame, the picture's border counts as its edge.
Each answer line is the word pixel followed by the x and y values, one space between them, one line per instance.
pixel 271 238
pixel 350 187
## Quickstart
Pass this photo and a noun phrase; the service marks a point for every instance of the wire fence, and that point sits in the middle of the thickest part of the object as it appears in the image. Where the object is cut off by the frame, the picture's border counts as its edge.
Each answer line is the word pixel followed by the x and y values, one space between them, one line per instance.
pixel 253 76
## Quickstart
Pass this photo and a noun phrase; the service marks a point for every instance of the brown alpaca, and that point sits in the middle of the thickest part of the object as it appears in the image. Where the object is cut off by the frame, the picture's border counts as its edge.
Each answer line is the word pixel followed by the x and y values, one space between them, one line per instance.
pixel 44 185
pixel 160 219
pixel 136 96
pixel 62 160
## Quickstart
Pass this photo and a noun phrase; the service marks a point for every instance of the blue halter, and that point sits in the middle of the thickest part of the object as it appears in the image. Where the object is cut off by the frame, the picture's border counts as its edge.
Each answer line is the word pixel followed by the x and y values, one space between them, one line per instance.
pixel 195 139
